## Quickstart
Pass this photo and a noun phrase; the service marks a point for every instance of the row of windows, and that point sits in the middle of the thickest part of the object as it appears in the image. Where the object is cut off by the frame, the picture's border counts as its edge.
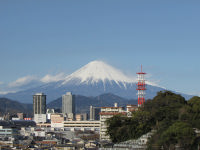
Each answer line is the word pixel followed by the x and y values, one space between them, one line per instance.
pixel 6 130
pixel 82 123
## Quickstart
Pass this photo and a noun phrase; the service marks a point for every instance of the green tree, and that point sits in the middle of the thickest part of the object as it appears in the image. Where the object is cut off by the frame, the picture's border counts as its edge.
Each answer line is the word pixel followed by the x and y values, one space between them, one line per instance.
pixel 117 128
pixel 170 114
pixel 194 111
pixel 178 134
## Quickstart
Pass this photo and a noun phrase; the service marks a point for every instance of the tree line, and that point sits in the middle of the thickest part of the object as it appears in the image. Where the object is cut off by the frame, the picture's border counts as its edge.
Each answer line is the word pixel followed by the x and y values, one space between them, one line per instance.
pixel 172 117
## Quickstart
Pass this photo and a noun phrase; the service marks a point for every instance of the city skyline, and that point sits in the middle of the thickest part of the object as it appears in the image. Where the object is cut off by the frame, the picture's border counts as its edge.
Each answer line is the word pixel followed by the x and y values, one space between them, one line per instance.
pixel 49 40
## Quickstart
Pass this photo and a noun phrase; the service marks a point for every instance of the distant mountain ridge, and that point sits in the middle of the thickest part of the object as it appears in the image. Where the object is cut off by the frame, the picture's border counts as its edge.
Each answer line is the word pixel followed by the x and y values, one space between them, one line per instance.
pixel 83 103
pixel 13 107
pixel 93 79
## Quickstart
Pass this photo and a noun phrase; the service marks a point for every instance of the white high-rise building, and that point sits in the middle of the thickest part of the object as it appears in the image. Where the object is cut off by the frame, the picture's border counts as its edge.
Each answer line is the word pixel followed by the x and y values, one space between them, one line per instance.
pixel 106 113
pixel 68 105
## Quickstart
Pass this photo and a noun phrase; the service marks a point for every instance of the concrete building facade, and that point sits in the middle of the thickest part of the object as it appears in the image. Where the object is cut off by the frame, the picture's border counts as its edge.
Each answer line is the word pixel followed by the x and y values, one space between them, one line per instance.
pixel 39 103
pixel 58 123
pixel 57 120
pixel 68 105
pixel 94 113
pixel 39 107
pixel 106 113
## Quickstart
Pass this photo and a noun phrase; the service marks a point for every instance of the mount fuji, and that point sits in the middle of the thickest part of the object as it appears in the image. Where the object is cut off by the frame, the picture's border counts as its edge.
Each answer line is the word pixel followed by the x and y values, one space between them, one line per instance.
pixel 93 79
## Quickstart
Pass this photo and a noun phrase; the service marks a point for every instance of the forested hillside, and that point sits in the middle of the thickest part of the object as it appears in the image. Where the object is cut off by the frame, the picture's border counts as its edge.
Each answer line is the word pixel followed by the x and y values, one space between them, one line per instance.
pixel 173 118
pixel 13 107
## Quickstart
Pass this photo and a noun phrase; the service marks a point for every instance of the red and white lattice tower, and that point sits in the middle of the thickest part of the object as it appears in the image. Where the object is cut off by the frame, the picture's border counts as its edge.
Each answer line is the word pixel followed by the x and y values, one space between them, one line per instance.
pixel 141 87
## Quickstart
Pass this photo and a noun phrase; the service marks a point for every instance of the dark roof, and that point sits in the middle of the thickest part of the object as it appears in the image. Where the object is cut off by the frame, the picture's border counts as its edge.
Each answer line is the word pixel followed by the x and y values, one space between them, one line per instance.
pixel 24 123
pixel 4 123
pixel 17 123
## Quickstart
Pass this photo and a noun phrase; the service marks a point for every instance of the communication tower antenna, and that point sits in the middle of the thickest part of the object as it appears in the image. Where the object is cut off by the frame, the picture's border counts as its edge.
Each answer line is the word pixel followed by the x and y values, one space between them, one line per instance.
pixel 141 87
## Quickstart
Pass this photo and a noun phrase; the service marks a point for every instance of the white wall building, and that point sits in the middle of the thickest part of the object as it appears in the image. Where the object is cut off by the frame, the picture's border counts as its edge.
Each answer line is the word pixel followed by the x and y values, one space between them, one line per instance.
pixel 108 112
pixel 68 105
pixel 40 118
pixel 57 121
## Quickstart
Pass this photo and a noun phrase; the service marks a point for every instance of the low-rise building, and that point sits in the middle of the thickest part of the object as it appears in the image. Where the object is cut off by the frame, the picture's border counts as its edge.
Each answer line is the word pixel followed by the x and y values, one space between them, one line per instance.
pixel 49 113
pixel 140 143
pixel 80 117
pixel 130 109
pixel 82 125
pixel 72 125
pixel 8 132
pixel 40 118
pixel 39 133
pixel 20 116
pixel 57 120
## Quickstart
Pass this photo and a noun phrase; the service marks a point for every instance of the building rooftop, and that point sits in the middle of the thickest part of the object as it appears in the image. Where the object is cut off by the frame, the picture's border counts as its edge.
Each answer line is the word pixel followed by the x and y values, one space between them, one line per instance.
pixel 39 94
pixel 17 123
pixel 112 113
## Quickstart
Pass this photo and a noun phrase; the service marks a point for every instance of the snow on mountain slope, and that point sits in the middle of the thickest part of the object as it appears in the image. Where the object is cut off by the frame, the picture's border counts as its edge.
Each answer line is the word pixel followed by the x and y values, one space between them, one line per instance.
pixel 97 71
pixel 93 79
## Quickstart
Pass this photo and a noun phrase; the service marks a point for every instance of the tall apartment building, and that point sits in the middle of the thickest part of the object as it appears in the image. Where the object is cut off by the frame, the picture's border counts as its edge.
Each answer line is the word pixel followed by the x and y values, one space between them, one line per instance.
pixel 108 112
pixel 39 103
pixel 39 107
pixel 94 113
pixel 68 105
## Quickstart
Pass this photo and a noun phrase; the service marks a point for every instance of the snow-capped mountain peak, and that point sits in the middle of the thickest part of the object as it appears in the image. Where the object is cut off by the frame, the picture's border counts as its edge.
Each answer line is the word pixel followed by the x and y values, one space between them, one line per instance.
pixel 98 71
pixel 93 79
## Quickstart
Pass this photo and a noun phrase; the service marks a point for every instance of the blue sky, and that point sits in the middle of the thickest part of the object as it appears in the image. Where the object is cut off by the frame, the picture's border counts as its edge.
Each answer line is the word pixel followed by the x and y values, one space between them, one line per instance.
pixel 51 37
